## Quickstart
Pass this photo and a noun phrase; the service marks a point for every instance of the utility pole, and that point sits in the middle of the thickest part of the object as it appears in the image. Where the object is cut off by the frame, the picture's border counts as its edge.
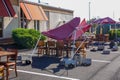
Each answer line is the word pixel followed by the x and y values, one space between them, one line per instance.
pixel 89 13
pixel 113 15
pixel 89 10
pixel 38 1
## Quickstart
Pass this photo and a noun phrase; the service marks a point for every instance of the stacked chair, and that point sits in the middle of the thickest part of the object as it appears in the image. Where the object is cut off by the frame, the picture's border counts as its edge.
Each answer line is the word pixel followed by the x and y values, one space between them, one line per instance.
pixel 51 48
pixel 60 48
pixel 2 72
pixel 41 47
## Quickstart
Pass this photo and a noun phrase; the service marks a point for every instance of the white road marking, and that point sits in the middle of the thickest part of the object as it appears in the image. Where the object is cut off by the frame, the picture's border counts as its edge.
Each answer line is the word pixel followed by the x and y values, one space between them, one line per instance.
pixel 48 75
pixel 101 61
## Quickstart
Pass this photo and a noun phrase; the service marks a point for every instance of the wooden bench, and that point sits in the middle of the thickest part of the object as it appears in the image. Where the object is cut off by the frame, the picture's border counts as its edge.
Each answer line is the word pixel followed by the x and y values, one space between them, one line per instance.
pixel 6 41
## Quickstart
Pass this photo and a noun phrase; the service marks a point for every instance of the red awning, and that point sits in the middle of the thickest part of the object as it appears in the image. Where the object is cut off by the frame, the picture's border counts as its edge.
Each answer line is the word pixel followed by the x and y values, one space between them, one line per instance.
pixel 6 9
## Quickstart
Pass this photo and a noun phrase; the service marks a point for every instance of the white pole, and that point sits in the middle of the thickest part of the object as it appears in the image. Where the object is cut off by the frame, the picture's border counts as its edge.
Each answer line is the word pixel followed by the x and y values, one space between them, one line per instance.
pixel 72 53
pixel 35 48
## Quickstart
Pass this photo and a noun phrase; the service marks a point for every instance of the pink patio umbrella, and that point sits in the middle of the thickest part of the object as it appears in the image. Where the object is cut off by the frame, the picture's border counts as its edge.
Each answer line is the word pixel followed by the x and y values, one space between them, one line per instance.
pixel 81 29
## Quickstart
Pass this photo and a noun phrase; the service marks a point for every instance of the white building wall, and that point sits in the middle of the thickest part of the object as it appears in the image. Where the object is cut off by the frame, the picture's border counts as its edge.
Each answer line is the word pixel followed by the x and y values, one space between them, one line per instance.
pixel 43 26
pixel 10 23
pixel 56 19
pixel 30 25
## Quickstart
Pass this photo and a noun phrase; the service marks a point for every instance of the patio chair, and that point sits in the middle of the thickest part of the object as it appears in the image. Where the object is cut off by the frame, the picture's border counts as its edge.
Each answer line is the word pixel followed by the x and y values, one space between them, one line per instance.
pixel 1 49
pixel 106 37
pixel 82 48
pixel 59 48
pixel 51 47
pixel 41 47
pixel 2 72
pixel 11 62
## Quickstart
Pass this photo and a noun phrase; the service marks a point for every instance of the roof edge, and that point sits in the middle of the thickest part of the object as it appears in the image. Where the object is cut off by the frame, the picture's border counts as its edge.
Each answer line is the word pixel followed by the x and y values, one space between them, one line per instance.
pixel 46 5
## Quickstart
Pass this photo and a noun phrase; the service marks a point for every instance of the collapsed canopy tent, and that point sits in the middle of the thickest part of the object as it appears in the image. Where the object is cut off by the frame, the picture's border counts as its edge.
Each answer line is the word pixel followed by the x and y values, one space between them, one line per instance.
pixel 106 20
pixel 102 21
pixel 64 31
pixel 67 30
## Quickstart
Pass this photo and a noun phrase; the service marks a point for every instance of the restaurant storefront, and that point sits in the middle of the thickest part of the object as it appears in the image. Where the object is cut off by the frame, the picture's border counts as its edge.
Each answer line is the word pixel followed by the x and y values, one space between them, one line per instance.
pixel 25 14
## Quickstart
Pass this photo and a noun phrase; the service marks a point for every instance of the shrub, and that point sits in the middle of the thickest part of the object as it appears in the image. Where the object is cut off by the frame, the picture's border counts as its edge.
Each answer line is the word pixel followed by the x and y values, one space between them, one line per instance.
pixel 26 38
pixel 113 34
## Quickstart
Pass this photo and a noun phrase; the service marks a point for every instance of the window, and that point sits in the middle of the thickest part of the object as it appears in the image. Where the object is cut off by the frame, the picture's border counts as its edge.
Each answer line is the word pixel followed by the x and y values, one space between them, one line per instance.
pixel 36 25
pixel 24 21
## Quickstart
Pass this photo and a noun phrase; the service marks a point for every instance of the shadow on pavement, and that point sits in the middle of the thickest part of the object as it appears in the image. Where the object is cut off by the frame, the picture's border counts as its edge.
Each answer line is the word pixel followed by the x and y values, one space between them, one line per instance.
pixel 46 62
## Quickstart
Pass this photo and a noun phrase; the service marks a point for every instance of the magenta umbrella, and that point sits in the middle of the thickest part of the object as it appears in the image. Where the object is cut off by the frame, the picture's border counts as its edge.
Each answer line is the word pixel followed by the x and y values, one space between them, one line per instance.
pixel 64 31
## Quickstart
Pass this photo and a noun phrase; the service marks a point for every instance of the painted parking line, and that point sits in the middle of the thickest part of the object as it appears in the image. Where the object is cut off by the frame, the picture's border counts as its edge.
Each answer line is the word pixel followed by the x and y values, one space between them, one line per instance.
pixel 104 61
pixel 48 75
pixel 117 52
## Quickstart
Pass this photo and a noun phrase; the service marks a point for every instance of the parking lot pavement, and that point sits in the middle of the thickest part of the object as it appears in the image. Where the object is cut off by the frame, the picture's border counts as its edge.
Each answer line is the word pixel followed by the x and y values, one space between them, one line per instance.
pixel 40 76
pixel 78 73
pixel 30 76
pixel 47 68
pixel 108 72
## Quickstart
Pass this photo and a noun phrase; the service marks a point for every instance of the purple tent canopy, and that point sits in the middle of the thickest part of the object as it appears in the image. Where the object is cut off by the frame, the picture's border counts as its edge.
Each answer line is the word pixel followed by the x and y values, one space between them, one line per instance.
pixel 64 31
pixel 105 20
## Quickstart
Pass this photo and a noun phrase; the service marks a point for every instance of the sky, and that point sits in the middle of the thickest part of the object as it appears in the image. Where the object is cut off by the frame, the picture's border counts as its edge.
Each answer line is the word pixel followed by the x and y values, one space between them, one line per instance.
pixel 98 8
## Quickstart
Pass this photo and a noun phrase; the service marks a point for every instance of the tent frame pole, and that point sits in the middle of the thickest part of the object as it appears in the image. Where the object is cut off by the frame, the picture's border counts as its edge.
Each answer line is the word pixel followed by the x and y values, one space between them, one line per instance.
pixel 35 48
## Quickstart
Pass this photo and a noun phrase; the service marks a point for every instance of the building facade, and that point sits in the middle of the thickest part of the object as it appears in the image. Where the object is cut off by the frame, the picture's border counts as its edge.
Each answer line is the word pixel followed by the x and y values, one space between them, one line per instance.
pixel 25 14
pixel 8 17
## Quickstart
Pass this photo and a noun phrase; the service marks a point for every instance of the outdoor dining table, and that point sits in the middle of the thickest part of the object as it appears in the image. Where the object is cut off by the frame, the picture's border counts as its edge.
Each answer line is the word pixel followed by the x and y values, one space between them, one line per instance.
pixel 6 53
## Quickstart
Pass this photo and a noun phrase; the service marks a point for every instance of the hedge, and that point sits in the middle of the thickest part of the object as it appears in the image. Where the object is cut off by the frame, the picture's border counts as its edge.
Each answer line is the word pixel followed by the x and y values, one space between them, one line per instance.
pixel 26 38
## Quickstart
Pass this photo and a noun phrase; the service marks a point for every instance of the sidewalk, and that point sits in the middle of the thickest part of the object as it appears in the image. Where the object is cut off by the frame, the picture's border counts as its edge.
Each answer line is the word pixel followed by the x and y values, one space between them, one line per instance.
pixel 26 54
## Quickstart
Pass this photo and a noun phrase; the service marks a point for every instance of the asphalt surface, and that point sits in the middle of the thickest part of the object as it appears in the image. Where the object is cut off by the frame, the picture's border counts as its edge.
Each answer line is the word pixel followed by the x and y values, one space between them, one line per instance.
pixel 103 67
